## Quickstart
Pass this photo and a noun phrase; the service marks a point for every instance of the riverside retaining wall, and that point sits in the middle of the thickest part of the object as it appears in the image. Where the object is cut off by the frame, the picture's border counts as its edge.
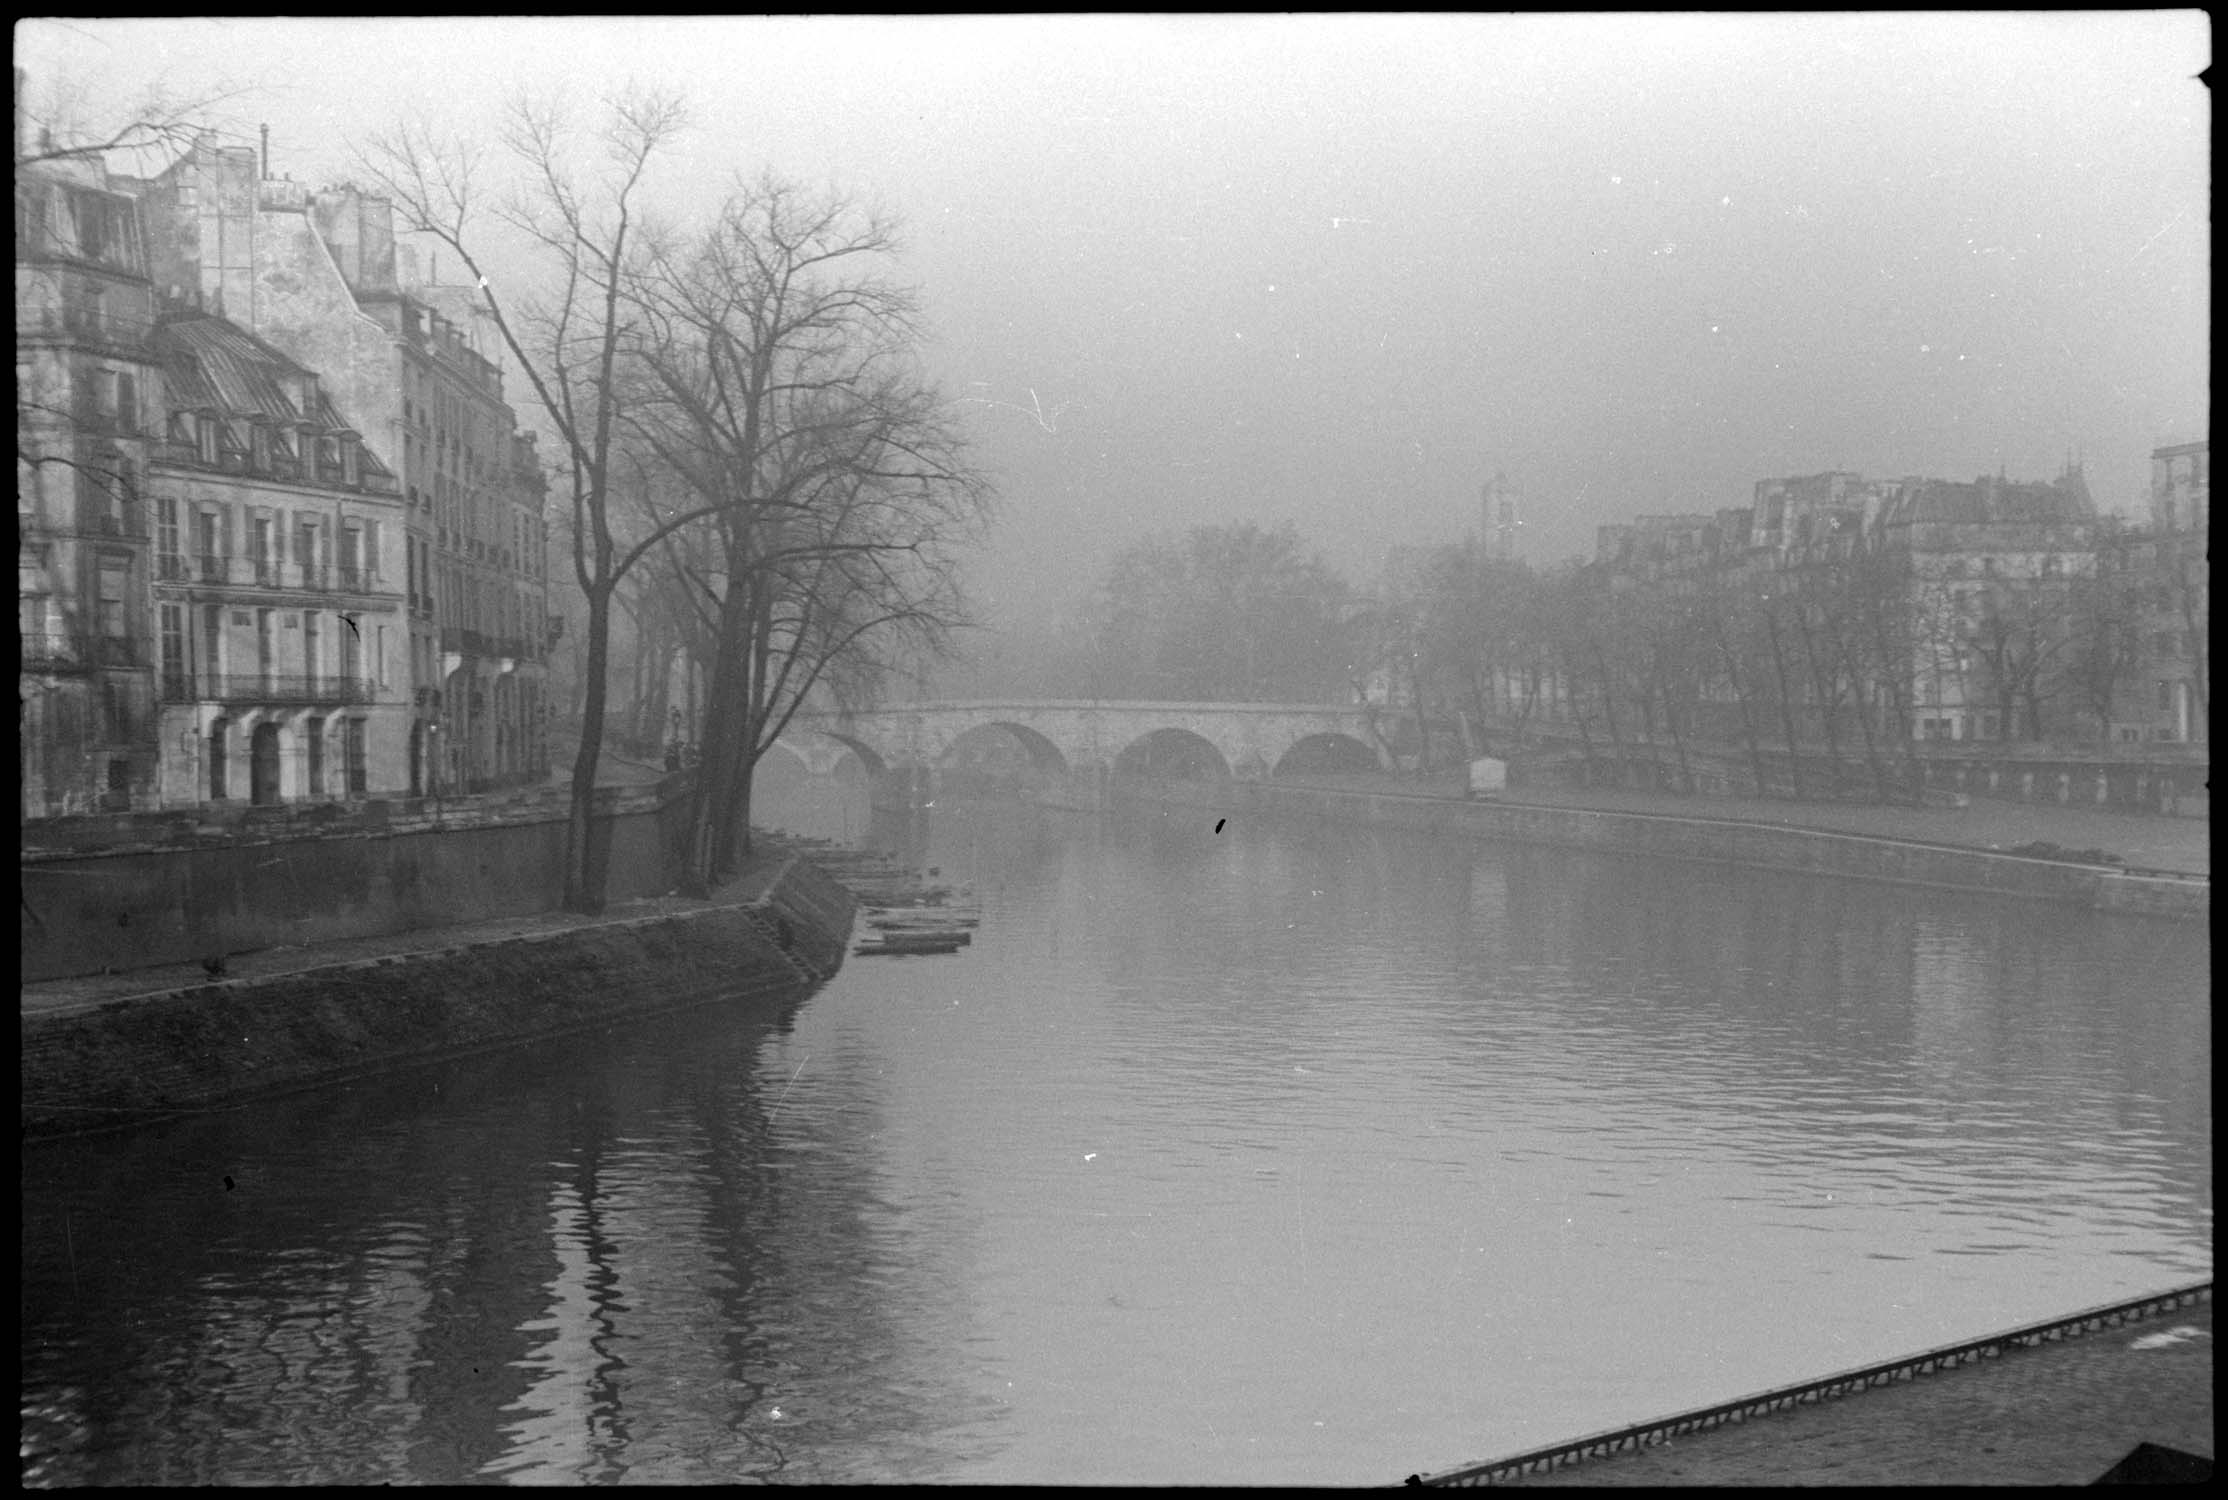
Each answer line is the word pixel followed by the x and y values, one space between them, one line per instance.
pixel 172 890
pixel 135 1060
pixel 1723 840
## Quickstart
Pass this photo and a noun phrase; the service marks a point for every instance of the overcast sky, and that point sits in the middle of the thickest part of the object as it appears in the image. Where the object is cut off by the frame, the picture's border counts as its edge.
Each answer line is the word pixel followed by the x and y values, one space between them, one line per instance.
pixel 1339 270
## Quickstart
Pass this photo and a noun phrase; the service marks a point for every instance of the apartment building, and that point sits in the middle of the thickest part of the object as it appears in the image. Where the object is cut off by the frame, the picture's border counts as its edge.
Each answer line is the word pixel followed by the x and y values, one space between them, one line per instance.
pixel 413 369
pixel 279 627
pixel 2172 702
pixel 85 392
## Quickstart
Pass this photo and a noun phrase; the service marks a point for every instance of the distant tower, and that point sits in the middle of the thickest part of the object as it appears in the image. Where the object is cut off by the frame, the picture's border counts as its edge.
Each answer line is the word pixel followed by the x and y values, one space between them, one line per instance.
pixel 1500 519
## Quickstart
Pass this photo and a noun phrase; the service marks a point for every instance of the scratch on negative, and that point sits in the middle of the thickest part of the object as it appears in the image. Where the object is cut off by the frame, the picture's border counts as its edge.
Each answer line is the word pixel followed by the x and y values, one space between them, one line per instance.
pixel 1034 409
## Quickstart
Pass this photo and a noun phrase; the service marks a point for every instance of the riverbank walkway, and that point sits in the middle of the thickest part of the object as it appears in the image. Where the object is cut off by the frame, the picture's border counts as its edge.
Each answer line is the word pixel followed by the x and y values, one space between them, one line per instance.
pixel 2062 1412
pixel 2142 840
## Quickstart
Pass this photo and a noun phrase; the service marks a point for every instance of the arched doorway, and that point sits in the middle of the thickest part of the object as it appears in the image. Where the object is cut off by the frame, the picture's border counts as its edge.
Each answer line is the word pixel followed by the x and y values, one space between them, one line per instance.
pixel 263 765
pixel 220 770
pixel 417 759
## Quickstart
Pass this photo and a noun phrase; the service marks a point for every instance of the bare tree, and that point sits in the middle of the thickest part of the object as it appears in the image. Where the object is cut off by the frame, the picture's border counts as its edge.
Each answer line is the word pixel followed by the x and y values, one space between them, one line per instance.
pixel 774 377
pixel 2105 625
pixel 63 122
pixel 581 220
pixel 2018 637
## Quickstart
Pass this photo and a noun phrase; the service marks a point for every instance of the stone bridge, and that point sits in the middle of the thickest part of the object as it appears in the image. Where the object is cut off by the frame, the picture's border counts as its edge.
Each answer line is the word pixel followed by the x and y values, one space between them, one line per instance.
pixel 1243 739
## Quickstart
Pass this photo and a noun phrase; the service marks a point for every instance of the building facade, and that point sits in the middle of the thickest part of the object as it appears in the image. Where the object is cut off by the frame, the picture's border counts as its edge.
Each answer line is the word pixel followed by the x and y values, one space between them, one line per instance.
pixel 412 368
pixel 279 626
pixel 85 398
pixel 1993 573
pixel 279 535
pixel 2173 701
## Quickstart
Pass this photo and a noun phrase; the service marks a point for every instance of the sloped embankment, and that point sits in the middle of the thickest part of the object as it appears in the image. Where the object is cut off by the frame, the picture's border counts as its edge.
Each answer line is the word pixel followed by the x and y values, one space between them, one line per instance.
pixel 207 1045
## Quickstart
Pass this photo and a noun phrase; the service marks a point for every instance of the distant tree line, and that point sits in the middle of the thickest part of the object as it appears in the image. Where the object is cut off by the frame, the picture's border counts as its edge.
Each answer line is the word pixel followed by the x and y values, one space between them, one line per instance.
pixel 1817 672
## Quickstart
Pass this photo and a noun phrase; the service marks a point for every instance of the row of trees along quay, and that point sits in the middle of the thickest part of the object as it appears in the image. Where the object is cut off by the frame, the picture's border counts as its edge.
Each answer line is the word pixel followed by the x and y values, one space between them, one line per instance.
pixel 753 456
pixel 1823 667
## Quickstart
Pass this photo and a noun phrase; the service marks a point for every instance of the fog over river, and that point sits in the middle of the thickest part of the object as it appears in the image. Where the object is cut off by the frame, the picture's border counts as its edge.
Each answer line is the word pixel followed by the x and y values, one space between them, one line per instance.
pixel 1297 1154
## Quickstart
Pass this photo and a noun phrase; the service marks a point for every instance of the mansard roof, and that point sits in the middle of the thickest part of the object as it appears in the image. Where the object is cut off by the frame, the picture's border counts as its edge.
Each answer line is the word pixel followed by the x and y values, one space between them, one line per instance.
pixel 1992 501
pixel 211 364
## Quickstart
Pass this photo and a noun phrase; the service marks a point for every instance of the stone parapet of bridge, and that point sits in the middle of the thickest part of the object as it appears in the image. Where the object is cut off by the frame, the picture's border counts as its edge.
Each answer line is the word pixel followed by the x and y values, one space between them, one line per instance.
pixel 1251 738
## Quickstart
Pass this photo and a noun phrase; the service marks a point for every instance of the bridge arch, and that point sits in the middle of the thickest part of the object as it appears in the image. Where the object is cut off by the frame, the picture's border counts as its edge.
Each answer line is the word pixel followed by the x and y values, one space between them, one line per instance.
pixel 795 755
pixel 1330 751
pixel 1043 754
pixel 875 765
pixel 1172 752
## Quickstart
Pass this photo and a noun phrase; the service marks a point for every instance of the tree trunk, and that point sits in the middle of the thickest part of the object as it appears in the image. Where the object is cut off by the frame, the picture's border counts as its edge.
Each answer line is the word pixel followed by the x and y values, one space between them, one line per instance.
pixel 1823 688
pixel 1786 708
pixel 1872 760
pixel 1585 739
pixel 724 696
pixel 1678 743
pixel 1609 712
pixel 1748 713
pixel 1423 727
pixel 584 865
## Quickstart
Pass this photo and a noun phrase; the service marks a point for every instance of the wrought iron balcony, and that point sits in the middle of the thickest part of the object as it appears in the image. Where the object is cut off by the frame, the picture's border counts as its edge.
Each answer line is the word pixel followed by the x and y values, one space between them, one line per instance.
pixel 263 687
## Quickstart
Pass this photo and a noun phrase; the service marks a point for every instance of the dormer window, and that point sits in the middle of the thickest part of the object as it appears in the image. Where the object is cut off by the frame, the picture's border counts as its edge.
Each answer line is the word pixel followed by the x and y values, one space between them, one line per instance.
pixel 235 439
pixel 351 459
pixel 259 447
pixel 205 436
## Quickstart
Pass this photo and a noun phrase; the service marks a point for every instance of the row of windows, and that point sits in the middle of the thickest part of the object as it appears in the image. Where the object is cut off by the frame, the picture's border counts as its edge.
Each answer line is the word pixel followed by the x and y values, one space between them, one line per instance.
pixel 218 640
pixel 318 545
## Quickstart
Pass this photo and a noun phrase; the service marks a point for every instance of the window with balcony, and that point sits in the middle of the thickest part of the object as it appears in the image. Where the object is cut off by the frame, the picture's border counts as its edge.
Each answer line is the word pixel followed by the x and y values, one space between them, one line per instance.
pixel 266 643
pixel 351 557
pixel 309 555
pixel 359 769
pixel 172 619
pixel 169 561
pixel 115 589
pixel 209 537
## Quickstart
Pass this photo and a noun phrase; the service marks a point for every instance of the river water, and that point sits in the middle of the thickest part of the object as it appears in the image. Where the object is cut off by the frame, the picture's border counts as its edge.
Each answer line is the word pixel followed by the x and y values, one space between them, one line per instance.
pixel 1297 1154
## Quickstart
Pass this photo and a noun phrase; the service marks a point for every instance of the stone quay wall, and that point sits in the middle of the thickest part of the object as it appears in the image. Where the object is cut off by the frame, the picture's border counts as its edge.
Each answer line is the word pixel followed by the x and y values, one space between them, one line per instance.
pixel 1722 840
pixel 146 890
pixel 137 1060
